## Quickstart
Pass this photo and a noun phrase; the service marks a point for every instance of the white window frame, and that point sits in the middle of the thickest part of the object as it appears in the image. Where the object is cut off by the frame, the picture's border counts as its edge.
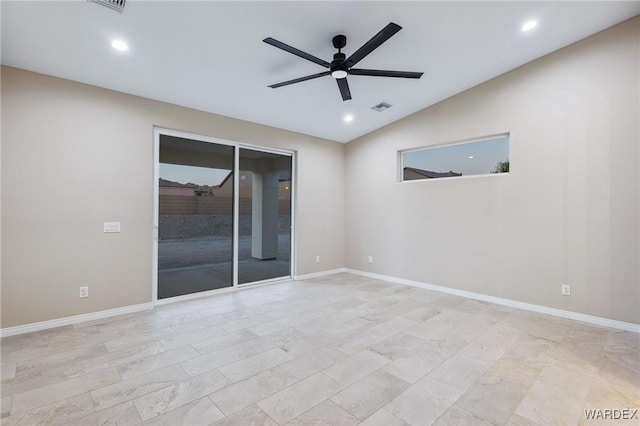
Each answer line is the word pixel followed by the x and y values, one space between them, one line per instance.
pixel 400 158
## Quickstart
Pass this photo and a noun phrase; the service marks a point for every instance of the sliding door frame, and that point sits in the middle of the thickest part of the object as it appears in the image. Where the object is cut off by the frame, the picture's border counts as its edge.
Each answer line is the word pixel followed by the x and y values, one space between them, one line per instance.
pixel 157 132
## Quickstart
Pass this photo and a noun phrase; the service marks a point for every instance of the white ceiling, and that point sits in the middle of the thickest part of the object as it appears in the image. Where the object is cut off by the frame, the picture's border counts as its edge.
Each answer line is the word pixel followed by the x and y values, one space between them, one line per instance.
pixel 210 55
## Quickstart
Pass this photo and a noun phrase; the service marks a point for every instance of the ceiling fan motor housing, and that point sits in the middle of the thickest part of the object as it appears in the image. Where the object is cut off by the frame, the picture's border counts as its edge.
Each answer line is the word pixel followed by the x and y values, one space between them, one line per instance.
pixel 339 58
pixel 338 62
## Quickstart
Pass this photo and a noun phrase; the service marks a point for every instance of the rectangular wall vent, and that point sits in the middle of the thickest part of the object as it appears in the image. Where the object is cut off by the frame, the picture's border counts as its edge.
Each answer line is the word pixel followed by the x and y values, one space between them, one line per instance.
pixel 382 106
pixel 112 4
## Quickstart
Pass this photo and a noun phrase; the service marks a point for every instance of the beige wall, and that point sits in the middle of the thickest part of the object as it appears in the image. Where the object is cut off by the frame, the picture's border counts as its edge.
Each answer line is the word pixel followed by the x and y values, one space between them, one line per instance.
pixel 567 213
pixel 74 156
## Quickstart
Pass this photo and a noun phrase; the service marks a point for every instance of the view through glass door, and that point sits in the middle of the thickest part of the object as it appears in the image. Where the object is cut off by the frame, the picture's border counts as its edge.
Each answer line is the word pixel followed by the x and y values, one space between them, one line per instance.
pixel 265 216
pixel 195 216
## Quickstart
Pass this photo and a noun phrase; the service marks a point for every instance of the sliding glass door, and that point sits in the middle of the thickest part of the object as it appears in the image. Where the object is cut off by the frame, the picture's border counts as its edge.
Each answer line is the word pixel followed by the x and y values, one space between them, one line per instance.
pixel 195 216
pixel 265 216
pixel 224 214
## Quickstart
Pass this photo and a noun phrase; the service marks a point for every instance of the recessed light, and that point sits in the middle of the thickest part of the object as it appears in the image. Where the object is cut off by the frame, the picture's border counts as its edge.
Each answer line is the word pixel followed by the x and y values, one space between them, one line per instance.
pixel 471 156
pixel 529 25
pixel 348 118
pixel 120 45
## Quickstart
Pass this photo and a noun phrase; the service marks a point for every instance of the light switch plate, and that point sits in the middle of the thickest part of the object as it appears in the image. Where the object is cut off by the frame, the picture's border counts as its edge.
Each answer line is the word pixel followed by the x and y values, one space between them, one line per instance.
pixel 110 227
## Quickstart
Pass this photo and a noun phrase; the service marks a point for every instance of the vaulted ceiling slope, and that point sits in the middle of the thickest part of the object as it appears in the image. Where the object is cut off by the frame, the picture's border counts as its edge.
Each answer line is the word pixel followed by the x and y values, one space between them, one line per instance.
pixel 210 55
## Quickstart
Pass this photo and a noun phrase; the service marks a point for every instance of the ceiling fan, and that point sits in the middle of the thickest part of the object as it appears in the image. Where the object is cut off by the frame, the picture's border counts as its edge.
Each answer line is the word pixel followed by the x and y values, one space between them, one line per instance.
pixel 341 66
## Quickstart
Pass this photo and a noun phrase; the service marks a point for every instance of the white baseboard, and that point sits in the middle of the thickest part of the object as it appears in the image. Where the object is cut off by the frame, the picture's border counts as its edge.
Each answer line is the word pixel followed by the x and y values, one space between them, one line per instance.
pixel 590 319
pixel 319 274
pixel 60 322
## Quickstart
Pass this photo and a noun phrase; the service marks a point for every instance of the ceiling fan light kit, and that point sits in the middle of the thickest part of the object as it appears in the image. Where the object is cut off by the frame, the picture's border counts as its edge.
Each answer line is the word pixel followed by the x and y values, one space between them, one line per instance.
pixel 339 74
pixel 341 66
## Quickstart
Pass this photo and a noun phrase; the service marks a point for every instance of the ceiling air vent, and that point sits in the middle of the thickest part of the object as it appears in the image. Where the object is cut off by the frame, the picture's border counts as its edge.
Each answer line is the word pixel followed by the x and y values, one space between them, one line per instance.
pixel 382 106
pixel 112 4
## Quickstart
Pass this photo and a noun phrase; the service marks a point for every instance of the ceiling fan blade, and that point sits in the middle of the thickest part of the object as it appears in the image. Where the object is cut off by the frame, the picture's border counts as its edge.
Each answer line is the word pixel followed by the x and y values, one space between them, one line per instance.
pixel 385 34
pixel 344 88
pixel 280 45
pixel 298 80
pixel 383 73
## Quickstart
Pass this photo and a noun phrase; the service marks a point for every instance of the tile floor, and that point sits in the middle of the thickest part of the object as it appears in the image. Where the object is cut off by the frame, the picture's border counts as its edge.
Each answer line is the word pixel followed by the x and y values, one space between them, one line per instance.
pixel 337 350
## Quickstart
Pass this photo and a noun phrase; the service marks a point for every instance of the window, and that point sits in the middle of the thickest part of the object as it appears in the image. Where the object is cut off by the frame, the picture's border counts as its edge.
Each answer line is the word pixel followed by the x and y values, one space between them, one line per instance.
pixel 483 156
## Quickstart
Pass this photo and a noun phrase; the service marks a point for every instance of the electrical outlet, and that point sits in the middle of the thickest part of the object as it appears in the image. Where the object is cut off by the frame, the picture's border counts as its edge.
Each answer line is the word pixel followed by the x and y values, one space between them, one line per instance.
pixel 317 259
pixel 370 259
pixel 84 292
pixel 566 290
